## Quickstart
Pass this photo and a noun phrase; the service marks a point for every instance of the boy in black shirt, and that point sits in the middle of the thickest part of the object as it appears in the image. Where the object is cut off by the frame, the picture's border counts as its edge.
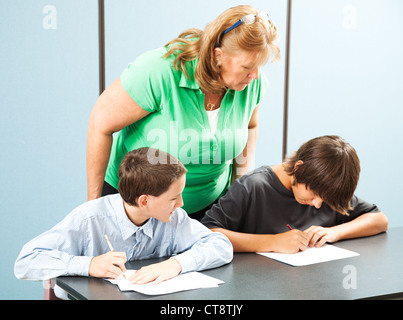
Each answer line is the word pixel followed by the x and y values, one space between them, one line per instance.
pixel 312 191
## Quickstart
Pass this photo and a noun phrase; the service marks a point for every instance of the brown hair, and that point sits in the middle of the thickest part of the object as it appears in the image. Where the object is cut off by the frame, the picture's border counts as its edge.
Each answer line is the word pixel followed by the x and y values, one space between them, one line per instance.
pixel 147 171
pixel 259 37
pixel 330 168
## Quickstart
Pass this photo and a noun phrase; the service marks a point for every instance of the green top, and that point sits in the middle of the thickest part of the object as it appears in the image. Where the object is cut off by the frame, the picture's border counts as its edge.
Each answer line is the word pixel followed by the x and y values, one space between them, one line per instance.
pixel 178 124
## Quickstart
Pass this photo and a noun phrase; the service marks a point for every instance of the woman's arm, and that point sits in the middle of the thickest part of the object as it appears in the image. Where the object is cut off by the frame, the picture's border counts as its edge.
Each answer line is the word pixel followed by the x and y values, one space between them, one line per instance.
pixel 113 111
pixel 243 162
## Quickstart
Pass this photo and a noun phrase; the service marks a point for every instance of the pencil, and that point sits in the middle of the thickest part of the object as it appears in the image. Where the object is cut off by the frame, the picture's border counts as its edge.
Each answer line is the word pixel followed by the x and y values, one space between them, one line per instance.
pixel 111 248
pixel 109 243
pixel 288 226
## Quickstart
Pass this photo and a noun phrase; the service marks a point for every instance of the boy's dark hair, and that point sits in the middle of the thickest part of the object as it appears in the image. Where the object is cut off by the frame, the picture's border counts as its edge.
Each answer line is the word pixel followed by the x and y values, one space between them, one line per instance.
pixel 330 169
pixel 147 171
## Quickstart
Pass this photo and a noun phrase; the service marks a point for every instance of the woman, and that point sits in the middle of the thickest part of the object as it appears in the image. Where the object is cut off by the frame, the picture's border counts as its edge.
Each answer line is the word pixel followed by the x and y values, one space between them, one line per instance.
pixel 196 98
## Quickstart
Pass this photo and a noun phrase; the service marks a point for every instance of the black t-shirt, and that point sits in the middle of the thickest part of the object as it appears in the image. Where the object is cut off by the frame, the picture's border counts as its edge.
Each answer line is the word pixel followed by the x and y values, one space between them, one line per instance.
pixel 259 203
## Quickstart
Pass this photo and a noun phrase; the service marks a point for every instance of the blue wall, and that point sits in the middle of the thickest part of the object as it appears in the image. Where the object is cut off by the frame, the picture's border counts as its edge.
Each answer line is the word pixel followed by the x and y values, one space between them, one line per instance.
pixel 49 84
pixel 345 78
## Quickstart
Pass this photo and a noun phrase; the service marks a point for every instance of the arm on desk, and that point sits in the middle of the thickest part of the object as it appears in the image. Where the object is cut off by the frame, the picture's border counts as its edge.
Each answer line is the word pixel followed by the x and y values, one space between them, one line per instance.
pixel 367 224
pixel 157 272
pixel 286 242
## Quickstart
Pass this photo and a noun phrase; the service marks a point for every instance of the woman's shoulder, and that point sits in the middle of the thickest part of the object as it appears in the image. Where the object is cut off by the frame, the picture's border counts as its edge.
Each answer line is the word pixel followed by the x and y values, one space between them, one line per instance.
pixel 152 61
pixel 149 77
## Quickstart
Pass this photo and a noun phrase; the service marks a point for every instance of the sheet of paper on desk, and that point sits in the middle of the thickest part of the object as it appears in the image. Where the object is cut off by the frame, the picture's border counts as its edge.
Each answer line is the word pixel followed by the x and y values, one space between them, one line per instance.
pixel 311 255
pixel 186 281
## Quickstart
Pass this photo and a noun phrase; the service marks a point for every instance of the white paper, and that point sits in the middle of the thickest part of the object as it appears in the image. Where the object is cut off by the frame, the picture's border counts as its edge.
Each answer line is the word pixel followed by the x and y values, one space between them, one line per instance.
pixel 311 255
pixel 186 281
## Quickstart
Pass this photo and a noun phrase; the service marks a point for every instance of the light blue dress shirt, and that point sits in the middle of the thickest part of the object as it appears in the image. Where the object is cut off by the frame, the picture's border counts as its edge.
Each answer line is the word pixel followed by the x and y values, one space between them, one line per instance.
pixel 67 248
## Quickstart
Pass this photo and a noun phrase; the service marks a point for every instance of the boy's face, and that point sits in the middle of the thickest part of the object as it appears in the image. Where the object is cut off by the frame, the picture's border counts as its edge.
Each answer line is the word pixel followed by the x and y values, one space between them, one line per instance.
pixel 305 196
pixel 164 205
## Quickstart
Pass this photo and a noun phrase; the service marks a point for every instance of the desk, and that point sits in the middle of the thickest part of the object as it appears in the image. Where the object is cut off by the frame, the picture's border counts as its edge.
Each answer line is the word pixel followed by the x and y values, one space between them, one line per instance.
pixel 378 269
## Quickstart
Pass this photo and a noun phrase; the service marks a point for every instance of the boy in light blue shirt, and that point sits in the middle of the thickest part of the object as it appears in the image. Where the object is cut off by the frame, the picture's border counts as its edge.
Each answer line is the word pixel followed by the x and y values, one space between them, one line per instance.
pixel 143 221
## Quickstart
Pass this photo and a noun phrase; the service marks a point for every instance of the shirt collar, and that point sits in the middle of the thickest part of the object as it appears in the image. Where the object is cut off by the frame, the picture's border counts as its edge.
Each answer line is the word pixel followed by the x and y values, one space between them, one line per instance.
pixel 128 228
pixel 190 82
pixel 148 228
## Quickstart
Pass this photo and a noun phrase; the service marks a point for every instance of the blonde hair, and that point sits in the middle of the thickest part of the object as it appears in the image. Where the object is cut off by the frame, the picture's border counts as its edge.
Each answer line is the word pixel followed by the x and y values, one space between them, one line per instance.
pixel 259 38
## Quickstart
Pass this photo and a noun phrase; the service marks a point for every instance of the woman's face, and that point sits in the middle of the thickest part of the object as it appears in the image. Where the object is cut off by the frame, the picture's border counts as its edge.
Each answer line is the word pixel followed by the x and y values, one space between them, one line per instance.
pixel 237 69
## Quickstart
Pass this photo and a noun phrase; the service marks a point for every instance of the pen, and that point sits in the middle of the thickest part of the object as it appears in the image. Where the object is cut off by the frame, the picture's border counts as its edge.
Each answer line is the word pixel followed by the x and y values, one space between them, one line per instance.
pixel 288 226
pixel 111 248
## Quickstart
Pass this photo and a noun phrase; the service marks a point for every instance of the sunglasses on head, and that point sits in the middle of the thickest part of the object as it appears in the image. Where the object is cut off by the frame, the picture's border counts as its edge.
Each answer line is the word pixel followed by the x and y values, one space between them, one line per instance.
pixel 247 19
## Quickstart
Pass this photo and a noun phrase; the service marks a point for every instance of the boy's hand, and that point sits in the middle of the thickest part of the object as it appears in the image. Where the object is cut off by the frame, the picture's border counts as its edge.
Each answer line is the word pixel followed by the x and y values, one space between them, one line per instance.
pixel 291 241
pixel 108 265
pixel 318 236
pixel 157 272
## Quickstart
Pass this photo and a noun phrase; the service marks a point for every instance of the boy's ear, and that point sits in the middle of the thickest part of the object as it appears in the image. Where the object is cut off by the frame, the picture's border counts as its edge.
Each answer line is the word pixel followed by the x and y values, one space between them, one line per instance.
pixel 142 201
pixel 297 164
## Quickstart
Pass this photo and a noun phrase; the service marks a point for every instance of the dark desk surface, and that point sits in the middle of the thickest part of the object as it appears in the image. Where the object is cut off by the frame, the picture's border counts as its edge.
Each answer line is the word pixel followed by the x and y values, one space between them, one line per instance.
pixel 378 269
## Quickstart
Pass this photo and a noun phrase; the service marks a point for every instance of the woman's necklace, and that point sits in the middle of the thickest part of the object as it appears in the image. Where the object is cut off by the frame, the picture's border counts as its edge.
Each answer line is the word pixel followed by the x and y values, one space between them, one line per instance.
pixel 211 106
